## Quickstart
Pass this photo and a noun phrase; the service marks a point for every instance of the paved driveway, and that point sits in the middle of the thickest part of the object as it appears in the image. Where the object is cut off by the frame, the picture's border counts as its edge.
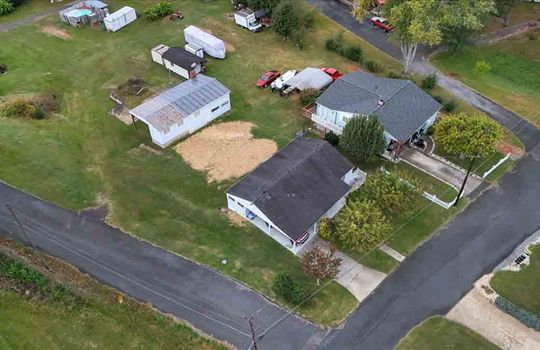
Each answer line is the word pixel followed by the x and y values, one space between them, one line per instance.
pixel 442 171
pixel 201 296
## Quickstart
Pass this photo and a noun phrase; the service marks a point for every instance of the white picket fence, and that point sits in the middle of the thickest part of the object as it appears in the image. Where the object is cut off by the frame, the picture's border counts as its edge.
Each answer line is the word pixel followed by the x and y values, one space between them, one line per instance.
pixel 499 163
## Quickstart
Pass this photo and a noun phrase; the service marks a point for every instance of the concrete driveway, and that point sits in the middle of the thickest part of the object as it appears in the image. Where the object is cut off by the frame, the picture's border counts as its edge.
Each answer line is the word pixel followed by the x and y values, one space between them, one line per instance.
pixel 440 170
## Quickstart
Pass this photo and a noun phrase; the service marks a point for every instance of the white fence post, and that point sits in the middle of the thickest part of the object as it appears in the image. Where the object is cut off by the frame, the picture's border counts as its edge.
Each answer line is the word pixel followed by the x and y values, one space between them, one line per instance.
pixel 502 160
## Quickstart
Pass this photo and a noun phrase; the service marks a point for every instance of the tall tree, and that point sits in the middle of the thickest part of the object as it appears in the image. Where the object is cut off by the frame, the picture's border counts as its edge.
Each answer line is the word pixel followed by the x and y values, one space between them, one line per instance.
pixel 432 22
pixel 363 138
pixel 471 136
pixel 321 264
pixel 362 225
pixel 285 19
pixel 360 8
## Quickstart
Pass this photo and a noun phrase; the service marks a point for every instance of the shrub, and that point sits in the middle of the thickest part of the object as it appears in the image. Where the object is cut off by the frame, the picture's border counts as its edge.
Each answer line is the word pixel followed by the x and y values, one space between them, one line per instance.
pixel 394 75
pixel 3 69
pixel 353 52
pixel 18 108
pixel 482 67
pixel 438 98
pixel 308 96
pixel 429 82
pixel 38 114
pixel 331 138
pixel 449 106
pixel 526 317
pixel 287 288
pixel 532 36
pixel 6 7
pixel 161 9
pixel 335 43
pixel 19 272
pixel 326 228
pixel 372 66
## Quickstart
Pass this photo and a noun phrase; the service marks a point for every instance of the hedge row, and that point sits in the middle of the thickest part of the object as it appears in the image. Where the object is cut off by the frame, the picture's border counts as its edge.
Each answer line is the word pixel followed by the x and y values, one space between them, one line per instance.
pixel 526 317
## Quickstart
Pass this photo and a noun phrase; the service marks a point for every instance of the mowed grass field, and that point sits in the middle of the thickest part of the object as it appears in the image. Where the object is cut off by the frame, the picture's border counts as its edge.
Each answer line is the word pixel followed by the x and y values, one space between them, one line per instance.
pixel 512 81
pixel 522 287
pixel 438 333
pixel 84 157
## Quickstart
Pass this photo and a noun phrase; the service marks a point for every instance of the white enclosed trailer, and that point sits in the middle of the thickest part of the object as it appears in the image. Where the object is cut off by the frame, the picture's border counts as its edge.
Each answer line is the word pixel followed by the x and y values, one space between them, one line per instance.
pixel 119 19
pixel 245 18
pixel 209 43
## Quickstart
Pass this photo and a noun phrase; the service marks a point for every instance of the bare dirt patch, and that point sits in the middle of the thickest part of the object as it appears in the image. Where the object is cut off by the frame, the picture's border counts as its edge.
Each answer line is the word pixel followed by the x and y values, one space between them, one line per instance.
pixel 234 218
pixel 505 147
pixel 225 150
pixel 57 32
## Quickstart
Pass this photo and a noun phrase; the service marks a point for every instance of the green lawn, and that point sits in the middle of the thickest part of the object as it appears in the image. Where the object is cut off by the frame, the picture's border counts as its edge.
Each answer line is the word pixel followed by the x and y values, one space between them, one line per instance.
pixel 437 333
pixel 513 79
pixel 87 319
pixel 84 156
pixel 30 8
pixel 522 287
pixel 376 259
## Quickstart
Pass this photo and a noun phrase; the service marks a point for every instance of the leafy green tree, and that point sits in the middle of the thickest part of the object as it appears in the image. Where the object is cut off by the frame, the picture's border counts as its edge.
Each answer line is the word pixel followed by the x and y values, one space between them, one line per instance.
pixel 6 7
pixel 363 138
pixel 471 136
pixel 360 8
pixel 362 225
pixel 390 192
pixel 321 264
pixel 433 22
pixel 268 5
pixel 285 18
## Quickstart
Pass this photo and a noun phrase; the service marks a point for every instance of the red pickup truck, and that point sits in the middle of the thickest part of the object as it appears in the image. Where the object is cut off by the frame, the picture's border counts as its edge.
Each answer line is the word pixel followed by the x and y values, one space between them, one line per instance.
pixel 382 23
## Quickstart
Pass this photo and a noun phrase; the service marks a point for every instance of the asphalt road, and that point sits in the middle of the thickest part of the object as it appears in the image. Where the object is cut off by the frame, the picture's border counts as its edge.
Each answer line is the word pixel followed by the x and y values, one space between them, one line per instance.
pixel 201 296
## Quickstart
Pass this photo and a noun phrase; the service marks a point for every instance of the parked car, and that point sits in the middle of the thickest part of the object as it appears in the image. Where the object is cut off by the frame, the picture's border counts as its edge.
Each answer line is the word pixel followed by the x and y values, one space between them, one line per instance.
pixel 279 82
pixel 382 23
pixel 267 78
pixel 332 72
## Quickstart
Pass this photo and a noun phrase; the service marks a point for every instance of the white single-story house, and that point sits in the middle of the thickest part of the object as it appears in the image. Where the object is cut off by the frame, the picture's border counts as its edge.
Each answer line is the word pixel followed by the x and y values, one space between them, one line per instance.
pixel 178 60
pixel 289 194
pixel 404 110
pixel 183 109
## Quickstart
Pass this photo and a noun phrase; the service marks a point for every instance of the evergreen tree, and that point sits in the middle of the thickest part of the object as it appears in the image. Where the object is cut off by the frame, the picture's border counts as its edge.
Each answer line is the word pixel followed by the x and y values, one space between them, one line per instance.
pixel 363 138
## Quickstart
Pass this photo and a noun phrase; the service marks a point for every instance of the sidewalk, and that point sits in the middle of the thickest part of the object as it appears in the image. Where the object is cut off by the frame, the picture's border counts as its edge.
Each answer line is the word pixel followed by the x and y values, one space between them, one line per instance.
pixel 440 170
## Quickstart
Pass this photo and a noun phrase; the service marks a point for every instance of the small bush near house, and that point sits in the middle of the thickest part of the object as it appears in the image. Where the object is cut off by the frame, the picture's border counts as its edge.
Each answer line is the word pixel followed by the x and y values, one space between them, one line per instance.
pixel 449 106
pixel 353 52
pixel 161 9
pixel 6 7
pixel 481 67
pixel 429 82
pixel 438 98
pixel 394 75
pixel 373 66
pixel 287 288
pixel 332 138
pixel 308 96
pixel 327 227
pixel 526 317
pixel 336 43
pixel 18 108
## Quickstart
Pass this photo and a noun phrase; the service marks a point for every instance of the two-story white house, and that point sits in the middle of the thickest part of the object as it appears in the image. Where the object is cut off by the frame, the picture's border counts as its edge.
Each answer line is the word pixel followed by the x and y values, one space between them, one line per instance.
pixel 289 194
pixel 404 110
pixel 183 109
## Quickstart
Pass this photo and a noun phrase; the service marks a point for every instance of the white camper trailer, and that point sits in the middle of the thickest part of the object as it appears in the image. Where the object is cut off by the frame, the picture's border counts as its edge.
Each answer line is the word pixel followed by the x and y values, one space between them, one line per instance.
pixel 209 43
pixel 119 19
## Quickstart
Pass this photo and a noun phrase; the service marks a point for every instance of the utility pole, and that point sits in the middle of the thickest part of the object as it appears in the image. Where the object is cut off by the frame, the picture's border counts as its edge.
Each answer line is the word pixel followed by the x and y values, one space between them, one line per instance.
pixel 465 180
pixel 252 330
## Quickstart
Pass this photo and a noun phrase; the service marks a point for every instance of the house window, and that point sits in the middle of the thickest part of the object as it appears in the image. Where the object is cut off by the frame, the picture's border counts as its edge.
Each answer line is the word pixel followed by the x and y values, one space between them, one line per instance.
pixel 215 108
pixel 240 204
pixel 231 199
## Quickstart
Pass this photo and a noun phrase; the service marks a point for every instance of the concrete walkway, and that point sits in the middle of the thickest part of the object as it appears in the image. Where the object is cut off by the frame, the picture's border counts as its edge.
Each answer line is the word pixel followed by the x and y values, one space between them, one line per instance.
pixel 361 281
pixel 440 170
pixel 477 311
pixel 392 252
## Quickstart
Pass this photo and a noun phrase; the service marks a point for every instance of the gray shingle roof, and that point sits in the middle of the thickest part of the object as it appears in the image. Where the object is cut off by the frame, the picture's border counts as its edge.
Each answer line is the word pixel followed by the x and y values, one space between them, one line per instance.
pixel 404 108
pixel 182 58
pixel 174 104
pixel 297 185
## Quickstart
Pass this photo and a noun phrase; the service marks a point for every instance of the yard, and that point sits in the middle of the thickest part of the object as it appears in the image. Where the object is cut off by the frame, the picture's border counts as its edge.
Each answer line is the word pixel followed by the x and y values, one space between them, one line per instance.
pixel 521 287
pixel 84 158
pixel 521 13
pixel 438 333
pixel 512 80
pixel 89 318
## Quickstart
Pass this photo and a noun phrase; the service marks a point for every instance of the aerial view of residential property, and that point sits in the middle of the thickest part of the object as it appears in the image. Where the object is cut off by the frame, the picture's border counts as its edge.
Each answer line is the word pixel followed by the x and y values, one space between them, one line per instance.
pixel 270 174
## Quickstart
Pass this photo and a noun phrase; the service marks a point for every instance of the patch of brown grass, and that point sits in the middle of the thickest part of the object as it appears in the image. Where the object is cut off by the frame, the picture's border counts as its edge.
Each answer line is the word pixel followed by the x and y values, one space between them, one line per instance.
pixel 57 32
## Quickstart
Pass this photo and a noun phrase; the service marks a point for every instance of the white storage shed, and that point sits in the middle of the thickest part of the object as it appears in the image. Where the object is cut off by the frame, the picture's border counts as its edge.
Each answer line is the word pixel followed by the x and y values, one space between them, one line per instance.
pixel 210 44
pixel 119 19
pixel 178 60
